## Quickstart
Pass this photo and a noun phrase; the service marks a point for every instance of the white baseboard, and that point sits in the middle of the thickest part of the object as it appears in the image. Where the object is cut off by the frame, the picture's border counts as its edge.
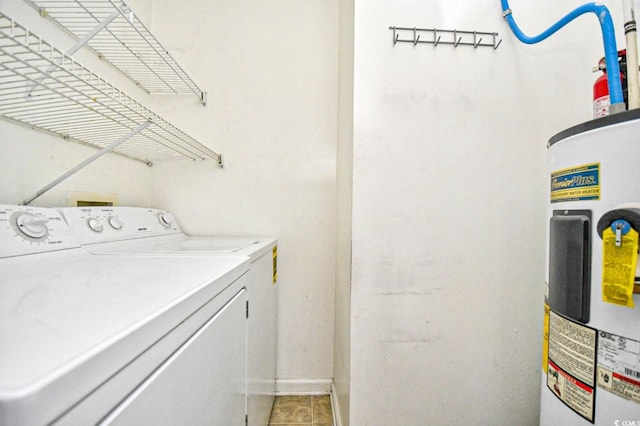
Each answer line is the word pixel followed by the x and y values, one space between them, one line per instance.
pixel 303 386
pixel 335 407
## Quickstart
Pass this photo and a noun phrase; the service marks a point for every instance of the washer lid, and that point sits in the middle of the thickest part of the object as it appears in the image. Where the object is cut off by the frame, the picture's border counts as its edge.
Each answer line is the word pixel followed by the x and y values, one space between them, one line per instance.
pixel 182 245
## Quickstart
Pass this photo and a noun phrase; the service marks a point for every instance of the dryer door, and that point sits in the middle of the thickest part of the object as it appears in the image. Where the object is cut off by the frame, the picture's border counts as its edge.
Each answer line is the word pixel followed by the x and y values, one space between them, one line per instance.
pixel 202 383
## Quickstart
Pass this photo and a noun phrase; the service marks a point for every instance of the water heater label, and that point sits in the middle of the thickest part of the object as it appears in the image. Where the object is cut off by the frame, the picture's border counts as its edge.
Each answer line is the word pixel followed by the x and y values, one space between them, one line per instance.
pixel 619 267
pixel 576 183
pixel 571 364
pixel 545 338
pixel 619 366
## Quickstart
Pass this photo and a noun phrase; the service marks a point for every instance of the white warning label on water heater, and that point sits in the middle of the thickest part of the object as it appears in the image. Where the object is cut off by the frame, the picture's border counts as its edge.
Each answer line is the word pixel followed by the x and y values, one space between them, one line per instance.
pixel 619 365
pixel 571 364
pixel 575 394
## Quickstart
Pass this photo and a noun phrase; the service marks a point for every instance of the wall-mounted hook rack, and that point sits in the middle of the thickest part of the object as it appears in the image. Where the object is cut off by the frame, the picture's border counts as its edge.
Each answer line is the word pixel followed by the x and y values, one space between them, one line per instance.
pixel 456 38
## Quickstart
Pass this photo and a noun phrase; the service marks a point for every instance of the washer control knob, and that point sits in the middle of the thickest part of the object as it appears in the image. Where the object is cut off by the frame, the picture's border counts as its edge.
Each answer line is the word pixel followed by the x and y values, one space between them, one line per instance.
pixel 33 226
pixel 94 224
pixel 165 219
pixel 115 222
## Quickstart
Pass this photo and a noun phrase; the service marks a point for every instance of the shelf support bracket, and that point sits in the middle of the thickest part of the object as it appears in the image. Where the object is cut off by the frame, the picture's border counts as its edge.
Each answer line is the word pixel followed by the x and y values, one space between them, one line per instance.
pixel 88 36
pixel 86 162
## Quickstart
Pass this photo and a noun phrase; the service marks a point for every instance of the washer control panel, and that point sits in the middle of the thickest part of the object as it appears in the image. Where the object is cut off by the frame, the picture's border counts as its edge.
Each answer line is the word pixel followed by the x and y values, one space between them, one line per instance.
pixel 93 225
pixel 28 230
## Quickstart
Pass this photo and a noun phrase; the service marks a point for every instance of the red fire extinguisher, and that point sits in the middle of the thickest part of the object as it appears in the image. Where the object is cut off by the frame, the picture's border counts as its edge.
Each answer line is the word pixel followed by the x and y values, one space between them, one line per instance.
pixel 601 86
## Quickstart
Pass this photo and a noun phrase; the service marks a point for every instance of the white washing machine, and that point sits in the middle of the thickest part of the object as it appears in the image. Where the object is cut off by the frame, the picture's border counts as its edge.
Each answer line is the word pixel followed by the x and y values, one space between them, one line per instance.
pixel 136 231
pixel 116 339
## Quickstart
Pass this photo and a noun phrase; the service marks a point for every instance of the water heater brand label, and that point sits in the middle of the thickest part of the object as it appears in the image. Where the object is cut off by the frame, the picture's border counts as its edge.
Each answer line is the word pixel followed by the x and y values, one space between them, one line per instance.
pixel 576 183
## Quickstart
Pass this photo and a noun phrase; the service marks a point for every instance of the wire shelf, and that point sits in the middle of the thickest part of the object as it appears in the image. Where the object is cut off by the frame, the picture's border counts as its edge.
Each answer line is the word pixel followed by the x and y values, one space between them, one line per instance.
pixel 125 42
pixel 44 88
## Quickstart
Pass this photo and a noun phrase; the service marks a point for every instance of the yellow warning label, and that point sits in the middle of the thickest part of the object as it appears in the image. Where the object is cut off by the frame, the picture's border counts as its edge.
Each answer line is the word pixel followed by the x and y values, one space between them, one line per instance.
pixel 545 339
pixel 275 264
pixel 619 267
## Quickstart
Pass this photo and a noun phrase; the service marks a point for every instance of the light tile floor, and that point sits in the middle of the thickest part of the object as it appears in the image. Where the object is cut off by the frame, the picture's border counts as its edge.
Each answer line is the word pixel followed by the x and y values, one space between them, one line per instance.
pixel 302 411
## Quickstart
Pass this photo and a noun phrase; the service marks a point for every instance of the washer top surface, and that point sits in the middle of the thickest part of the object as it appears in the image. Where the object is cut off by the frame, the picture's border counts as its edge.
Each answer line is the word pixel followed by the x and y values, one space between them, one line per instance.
pixel 73 305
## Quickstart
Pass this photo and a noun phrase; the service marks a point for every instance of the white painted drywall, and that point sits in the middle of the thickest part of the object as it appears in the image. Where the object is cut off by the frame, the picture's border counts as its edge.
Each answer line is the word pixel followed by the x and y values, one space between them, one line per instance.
pixel 271 72
pixel 449 199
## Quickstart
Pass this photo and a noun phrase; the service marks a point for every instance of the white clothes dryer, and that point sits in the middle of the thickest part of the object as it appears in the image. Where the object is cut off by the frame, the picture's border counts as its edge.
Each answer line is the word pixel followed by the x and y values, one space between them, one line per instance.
pixel 115 339
pixel 137 231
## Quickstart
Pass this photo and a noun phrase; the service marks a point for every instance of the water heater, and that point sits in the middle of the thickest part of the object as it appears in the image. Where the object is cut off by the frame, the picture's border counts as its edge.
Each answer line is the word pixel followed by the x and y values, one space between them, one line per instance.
pixel 591 345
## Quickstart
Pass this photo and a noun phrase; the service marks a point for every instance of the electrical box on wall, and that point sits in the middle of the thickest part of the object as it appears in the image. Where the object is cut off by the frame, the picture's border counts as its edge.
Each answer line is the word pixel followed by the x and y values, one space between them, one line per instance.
pixel 81 199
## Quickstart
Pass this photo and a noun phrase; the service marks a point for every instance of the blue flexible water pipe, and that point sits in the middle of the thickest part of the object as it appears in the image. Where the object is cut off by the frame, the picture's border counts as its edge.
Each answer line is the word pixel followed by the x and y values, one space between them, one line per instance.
pixel 608 36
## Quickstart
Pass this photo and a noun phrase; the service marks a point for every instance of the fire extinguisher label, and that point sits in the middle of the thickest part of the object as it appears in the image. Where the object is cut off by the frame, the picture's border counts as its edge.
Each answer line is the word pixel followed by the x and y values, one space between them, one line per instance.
pixel 601 106
pixel 577 183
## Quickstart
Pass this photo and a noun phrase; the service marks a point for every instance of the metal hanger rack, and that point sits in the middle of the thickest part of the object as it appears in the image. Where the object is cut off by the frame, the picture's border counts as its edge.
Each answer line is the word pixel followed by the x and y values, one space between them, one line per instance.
pixel 452 37
pixel 43 87
pixel 115 33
